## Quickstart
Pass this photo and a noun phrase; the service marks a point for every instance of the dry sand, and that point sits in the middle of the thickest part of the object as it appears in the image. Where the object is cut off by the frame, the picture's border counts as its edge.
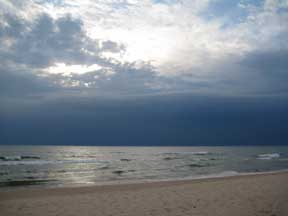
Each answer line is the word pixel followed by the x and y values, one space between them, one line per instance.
pixel 263 194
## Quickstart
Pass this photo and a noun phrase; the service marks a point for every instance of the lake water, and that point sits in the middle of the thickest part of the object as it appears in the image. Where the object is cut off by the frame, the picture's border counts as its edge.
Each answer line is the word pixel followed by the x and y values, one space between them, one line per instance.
pixel 74 165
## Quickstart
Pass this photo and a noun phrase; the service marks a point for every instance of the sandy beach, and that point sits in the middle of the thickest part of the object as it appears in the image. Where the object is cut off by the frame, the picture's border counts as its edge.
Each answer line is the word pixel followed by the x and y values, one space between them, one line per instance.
pixel 261 194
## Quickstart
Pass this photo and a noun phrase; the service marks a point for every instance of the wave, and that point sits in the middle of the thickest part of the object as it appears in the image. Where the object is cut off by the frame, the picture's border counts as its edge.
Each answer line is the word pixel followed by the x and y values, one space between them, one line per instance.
pixel 187 153
pixel 27 182
pixel 45 162
pixel 170 158
pixel 225 173
pixel 195 165
pixel 10 158
pixel 18 158
pixel 31 162
pixel 125 159
pixel 30 157
pixel 120 172
pixel 268 156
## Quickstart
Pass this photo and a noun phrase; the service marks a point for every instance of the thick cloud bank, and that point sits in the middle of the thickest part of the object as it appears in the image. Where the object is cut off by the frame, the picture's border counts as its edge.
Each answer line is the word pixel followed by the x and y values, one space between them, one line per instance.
pixel 143 72
pixel 89 47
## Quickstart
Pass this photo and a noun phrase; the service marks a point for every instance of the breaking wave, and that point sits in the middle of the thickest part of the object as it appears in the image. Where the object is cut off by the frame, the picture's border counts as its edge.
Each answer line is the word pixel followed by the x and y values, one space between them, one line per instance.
pixel 19 158
pixel 268 156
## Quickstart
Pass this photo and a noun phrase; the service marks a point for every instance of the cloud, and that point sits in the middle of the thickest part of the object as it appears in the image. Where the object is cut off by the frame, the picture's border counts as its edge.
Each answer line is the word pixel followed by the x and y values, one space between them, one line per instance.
pixel 169 120
pixel 59 51
pixel 186 67
pixel 19 83
pixel 144 47
pixel 46 41
pixel 271 62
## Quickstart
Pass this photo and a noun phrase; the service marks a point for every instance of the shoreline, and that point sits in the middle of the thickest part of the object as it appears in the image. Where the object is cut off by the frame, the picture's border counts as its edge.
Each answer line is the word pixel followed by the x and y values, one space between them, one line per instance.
pixel 135 185
pixel 264 194
pixel 209 177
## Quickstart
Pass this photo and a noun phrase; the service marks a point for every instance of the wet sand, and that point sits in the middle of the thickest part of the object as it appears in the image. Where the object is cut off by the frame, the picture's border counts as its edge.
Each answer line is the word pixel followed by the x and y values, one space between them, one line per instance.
pixel 261 194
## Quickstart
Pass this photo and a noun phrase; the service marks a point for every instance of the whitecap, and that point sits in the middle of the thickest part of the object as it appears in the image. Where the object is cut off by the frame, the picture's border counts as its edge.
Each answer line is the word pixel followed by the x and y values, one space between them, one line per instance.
pixel 11 158
pixel 268 156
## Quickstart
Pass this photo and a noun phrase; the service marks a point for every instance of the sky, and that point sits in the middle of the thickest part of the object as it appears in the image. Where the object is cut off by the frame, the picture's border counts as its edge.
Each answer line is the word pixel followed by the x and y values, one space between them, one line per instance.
pixel 144 72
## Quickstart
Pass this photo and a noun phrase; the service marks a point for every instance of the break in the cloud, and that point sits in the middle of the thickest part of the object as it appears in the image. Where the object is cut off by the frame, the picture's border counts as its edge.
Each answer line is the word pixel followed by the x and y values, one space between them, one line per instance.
pixel 129 47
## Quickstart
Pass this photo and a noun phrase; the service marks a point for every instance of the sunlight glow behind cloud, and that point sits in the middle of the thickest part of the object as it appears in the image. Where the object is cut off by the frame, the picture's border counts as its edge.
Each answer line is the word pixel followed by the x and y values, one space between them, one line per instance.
pixel 69 70
pixel 169 44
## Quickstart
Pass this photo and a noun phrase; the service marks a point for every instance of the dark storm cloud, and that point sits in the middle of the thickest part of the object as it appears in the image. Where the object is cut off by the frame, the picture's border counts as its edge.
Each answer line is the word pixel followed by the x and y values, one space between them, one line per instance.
pixel 135 103
pixel 46 41
pixel 158 120
pixel 274 63
pixel 271 67
pixel 20 83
